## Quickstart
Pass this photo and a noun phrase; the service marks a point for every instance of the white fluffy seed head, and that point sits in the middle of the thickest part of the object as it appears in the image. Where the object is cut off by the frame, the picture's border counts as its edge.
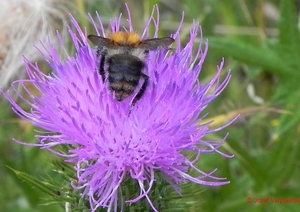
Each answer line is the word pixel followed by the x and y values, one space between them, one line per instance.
pixel 23 24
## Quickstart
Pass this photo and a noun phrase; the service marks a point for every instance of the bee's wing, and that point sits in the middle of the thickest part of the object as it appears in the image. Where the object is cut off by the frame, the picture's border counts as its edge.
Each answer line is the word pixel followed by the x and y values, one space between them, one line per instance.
pixel 100 41
pixel 156 43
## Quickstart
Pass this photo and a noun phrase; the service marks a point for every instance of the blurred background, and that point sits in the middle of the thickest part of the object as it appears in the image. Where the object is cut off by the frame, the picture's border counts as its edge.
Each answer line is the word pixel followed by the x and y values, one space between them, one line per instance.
pixel 260 43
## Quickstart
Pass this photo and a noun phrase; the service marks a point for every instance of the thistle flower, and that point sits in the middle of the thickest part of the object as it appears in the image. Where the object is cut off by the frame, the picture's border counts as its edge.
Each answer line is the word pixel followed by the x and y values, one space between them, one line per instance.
pixel 23 23
pixel 109 140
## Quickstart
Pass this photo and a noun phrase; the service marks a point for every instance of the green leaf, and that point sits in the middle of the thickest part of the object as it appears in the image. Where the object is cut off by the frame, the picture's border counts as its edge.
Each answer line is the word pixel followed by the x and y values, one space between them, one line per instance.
pixel 288 31
pixel 253 167
pixel 284 169
pixel 264 58
pixel 286 143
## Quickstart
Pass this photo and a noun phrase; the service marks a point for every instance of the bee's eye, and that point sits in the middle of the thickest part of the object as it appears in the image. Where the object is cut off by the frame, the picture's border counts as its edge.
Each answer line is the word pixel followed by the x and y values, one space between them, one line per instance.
pixel 146 51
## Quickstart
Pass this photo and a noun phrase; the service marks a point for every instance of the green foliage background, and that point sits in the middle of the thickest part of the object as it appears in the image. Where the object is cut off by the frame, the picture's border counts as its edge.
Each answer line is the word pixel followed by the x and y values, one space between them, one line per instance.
pixel 261 48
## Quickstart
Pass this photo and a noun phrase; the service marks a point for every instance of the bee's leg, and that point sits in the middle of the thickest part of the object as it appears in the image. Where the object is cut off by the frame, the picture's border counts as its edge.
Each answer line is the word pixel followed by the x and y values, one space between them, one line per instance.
pixel 101 57
pixel 141 92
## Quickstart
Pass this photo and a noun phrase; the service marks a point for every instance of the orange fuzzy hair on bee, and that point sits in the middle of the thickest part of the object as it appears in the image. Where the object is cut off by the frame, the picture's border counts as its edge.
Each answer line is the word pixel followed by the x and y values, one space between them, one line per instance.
pixel 125 38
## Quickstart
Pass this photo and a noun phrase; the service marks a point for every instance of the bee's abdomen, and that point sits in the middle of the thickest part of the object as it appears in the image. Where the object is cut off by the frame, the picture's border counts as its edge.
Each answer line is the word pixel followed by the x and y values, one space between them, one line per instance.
pixel 124 73
pixel 122 89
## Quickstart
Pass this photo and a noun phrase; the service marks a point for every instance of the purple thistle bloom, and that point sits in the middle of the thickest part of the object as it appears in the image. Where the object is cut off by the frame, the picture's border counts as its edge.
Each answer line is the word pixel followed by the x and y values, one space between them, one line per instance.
pixel 110 143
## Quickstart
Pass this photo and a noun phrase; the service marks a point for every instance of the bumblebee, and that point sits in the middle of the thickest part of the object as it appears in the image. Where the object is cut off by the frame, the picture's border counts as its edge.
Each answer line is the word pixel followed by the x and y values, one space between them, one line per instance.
pixel 123 56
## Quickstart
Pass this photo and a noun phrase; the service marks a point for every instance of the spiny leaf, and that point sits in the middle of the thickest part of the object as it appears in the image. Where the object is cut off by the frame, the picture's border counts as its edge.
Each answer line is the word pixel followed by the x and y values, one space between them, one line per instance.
pixel 35 182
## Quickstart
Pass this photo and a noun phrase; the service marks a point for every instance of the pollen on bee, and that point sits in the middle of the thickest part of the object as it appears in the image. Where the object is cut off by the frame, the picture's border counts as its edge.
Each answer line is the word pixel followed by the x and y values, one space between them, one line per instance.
pixel 126 38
